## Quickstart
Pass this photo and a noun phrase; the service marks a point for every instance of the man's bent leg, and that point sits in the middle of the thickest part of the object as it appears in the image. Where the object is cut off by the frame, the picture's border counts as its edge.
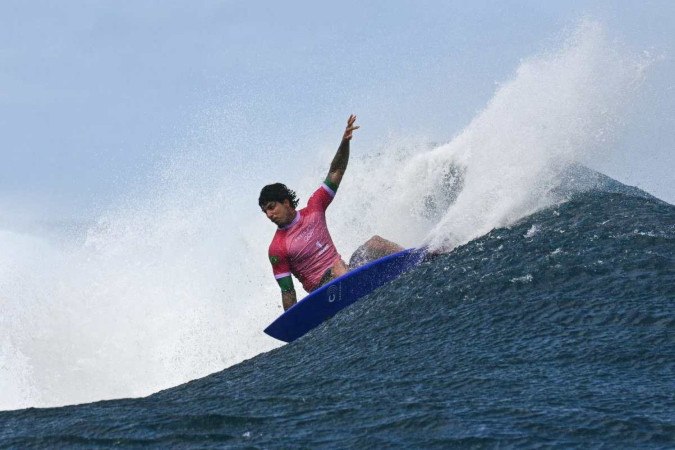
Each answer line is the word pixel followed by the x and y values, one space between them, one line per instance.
pixel 376 247
pixel 338 269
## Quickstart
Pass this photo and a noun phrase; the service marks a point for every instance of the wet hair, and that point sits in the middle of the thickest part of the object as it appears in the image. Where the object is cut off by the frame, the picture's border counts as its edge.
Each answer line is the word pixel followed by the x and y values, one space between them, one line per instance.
pixel 277 192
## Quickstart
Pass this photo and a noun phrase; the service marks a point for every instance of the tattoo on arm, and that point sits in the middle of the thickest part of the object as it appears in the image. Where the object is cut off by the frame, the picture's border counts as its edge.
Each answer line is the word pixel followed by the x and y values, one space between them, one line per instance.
pixel 288 299
pixel 341 157
pixel 339 163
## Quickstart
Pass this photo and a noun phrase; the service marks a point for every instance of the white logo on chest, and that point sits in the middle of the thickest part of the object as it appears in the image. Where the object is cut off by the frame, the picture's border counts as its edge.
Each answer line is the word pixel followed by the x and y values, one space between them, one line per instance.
pixel 306 235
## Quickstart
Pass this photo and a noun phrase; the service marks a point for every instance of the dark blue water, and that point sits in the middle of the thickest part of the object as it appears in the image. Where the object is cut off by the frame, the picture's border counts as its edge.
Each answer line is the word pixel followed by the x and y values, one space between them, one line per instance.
pixel 558 331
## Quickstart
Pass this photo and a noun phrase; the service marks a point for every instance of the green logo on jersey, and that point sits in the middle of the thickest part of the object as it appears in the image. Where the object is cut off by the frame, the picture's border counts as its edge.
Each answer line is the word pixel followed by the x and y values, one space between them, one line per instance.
pixel 274 259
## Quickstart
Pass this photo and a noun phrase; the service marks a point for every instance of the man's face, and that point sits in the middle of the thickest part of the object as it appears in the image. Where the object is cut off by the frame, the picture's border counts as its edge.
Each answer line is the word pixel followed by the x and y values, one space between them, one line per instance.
pixel 281 213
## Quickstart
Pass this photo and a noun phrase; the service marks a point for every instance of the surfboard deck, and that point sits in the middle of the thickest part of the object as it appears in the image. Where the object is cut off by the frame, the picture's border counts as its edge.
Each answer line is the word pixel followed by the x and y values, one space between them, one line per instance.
pixel 336 295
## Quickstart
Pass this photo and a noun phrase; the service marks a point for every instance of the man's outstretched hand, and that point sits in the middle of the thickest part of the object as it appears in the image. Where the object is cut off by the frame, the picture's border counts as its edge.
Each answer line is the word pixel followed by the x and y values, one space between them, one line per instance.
pixel 350 127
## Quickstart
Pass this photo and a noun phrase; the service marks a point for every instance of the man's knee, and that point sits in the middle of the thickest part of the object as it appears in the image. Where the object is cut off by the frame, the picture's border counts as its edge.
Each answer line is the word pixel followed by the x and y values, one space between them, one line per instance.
pixel 374 248
pixel 375 242
pixel 378 244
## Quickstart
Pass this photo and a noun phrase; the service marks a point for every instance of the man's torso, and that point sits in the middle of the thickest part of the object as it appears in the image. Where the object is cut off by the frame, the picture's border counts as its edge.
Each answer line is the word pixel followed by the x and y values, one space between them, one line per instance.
pixel 306 244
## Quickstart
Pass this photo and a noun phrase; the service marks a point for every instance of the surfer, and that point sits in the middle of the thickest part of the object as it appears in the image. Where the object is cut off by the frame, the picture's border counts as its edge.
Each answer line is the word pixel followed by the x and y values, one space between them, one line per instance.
pixel 302 245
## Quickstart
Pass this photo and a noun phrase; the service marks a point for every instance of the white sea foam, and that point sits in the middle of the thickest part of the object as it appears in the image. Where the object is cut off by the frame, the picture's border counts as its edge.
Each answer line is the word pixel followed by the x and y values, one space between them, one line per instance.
pixel 173 284
pixel 524 279
pixel 534 229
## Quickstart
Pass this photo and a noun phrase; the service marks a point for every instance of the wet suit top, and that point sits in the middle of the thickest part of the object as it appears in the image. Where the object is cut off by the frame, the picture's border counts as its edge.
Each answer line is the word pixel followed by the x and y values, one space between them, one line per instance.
pixel 304 247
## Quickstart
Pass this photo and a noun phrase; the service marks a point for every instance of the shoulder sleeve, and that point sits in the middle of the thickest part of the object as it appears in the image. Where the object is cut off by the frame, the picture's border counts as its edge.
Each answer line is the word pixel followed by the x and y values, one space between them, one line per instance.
pixel 321 198
pixel 279 258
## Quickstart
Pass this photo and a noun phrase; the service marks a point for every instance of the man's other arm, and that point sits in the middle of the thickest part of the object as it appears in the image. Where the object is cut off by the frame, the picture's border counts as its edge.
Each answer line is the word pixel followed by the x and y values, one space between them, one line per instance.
pixel 288 297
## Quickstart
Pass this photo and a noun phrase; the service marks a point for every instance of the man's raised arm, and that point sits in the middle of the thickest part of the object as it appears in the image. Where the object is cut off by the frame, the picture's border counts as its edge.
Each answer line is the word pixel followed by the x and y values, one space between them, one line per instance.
pixel 339 163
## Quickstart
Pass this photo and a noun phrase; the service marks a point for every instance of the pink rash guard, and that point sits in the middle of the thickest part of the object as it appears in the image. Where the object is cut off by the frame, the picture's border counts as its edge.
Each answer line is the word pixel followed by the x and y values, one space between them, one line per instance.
pixel 304 248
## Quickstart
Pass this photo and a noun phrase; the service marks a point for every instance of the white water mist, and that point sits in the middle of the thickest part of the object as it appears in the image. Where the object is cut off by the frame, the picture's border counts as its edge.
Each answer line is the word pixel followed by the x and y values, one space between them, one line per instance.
pixel 559 107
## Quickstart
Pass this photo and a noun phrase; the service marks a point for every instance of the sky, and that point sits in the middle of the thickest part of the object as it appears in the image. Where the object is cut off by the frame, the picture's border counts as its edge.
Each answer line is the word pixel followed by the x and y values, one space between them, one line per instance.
pixel 97 96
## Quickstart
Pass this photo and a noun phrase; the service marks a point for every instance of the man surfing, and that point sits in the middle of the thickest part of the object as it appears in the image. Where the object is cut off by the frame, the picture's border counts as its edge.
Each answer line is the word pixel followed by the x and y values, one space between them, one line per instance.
pixel 302 245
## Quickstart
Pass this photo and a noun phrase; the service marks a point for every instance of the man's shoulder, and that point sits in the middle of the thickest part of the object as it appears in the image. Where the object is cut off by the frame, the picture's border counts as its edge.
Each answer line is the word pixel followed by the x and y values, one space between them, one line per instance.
pixel 310 213
pixel 277 241
pixel 321 198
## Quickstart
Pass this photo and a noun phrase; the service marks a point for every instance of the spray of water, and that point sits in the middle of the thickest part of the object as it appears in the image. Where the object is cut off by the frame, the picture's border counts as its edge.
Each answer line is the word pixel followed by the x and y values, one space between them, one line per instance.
pixel 507 163
pixel 174 284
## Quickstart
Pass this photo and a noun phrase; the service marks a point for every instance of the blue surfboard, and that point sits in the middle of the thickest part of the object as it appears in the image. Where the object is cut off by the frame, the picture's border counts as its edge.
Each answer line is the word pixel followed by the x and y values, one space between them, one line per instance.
pixel 332 297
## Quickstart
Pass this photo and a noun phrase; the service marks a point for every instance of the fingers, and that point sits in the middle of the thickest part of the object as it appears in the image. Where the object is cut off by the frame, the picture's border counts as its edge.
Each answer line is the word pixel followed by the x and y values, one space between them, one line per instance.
pixel 350 127
pixel 348 132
